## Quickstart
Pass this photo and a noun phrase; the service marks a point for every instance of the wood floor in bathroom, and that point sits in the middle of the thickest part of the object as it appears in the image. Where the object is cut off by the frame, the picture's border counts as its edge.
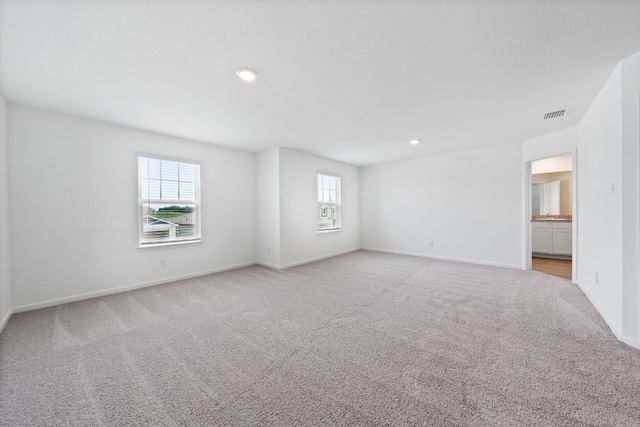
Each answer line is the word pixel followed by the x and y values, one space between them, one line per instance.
pixel 555 267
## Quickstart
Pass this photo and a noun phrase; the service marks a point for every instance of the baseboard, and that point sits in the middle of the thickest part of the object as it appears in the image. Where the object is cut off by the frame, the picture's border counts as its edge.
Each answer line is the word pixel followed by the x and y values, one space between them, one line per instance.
pixel 305 261
pixel 629 341
pixel 319 258
pixel 610 324
pixel 444 258
pixel 632 342
pixel 5 320
pixel 269 265
pixel 551 256
pixel 126 288
pixel 111 291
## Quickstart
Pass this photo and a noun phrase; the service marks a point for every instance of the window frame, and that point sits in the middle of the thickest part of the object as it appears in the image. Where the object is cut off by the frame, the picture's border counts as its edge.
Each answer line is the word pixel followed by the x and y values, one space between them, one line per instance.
pixel 330 210
pixel 144 202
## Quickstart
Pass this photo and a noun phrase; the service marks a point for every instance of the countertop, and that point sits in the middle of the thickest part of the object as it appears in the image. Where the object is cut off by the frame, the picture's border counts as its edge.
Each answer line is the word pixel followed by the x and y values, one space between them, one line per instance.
pixel 554 218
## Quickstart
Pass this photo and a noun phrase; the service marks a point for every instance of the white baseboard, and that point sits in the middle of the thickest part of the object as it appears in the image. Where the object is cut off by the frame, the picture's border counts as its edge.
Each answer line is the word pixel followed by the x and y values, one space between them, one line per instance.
pixel 88 295
pixel 633 342
pixel 629 341
pixel 314 259
pixel 126 288
pixel 618 333
pixel 304 261
pixel 445 258
pixel 269 265
pixel 5 320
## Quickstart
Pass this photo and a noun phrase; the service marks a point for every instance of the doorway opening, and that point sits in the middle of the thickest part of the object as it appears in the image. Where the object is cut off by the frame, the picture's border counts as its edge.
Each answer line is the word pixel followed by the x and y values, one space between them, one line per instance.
pixel 555 267
pixel 551 215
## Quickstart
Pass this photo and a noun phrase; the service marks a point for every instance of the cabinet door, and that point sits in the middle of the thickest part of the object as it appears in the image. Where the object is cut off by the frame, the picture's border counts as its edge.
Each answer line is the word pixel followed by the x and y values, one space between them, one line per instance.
pixel 562 242
pixel 540 241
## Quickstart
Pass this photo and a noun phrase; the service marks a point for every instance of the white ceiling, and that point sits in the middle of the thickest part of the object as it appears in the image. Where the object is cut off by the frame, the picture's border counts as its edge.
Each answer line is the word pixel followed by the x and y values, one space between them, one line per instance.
pixel 348 80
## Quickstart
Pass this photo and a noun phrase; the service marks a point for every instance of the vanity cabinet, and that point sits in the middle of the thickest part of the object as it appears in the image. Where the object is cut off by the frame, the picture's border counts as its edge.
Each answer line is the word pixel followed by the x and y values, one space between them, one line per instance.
pixel 541 237
pixel 551 237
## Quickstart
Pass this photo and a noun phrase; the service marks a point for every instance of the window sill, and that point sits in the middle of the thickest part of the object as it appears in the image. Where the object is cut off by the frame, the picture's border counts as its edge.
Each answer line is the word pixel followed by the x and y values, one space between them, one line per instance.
pixel 333 230
pixel 168 244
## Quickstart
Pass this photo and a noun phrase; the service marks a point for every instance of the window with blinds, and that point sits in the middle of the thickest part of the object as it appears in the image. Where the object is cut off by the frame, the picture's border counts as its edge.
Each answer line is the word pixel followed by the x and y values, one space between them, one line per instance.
pixel 169 201
pixel 328 202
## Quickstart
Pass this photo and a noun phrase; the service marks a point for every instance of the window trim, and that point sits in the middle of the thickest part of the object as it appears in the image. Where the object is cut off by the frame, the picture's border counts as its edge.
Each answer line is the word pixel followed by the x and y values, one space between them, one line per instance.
pixel 160 245
pixel 197 203
pixel 331 230
pixel 338 203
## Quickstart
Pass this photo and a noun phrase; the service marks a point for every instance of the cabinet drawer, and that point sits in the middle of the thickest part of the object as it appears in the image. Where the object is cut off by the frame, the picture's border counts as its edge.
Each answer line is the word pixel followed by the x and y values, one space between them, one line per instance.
pixel 540 225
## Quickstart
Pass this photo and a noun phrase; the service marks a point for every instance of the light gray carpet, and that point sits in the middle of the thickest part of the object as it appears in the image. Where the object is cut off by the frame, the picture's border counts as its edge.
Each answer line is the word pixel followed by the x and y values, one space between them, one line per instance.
pixel 361 339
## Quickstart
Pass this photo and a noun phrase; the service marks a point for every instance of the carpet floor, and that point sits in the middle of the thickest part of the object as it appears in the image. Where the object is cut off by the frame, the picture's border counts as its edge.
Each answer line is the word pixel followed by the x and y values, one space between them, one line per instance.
pixel 363 339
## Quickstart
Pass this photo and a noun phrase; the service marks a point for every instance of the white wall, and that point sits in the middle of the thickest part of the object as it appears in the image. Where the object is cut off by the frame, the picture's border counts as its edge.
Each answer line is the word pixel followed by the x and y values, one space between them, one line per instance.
pixel 549 145
pixel 299 237
pixel 599 160
pixel 5 260
pixel 73 208
pixel 468 203
pixel 630 69
pixel 268 176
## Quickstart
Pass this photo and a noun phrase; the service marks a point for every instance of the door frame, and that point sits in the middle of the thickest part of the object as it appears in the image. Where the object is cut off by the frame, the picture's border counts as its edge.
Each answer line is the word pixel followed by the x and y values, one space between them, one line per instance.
pixel 526 225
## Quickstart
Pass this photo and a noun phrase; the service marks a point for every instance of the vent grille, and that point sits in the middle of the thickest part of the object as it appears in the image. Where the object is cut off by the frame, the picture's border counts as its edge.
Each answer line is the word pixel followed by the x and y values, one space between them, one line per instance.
pixel 554 114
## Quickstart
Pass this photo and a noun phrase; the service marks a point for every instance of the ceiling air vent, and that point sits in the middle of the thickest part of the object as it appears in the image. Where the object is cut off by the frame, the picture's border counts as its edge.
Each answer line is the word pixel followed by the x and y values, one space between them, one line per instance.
pixel 554 114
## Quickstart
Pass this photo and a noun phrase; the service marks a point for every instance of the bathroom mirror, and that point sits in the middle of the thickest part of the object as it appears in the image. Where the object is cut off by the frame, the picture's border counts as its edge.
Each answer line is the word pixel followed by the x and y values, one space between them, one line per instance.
pixel 545 198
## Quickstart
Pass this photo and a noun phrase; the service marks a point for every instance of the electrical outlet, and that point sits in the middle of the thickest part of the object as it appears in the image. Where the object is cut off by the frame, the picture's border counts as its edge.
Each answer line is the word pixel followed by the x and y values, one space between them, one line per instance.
pixel 268 250
pixel 333 243
pixel 163 263
pixel 431 243
pixel 597 279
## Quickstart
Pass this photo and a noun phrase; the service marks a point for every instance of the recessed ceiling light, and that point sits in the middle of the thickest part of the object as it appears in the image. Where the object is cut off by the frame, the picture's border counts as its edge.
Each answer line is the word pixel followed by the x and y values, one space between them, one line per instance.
pixel 414 142
pixel 247 74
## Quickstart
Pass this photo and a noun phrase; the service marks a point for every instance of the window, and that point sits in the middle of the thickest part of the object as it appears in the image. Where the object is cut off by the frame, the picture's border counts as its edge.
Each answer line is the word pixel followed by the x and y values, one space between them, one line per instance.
pixel 328 202
pixel 169 201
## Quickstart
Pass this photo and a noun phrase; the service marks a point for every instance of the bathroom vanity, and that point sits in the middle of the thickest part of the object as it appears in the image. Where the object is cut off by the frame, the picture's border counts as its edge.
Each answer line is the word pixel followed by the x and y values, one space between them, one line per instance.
pixel 551 236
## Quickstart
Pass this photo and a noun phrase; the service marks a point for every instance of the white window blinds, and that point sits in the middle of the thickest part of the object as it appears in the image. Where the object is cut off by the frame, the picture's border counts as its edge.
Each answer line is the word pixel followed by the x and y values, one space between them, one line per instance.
pixel 328 202
pixel 169 200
